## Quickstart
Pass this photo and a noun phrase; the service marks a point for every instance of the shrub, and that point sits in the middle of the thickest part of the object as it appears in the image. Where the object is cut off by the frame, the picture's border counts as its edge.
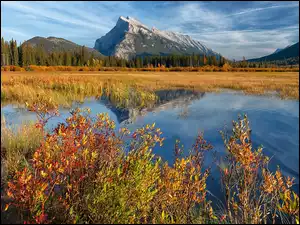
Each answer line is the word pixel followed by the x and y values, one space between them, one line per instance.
pixel 85 172
pixel 226 67
pixel 252 191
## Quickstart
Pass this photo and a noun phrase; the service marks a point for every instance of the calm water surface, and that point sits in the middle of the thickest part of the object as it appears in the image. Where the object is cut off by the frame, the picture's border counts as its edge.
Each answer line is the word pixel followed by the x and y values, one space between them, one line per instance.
pixel 181 114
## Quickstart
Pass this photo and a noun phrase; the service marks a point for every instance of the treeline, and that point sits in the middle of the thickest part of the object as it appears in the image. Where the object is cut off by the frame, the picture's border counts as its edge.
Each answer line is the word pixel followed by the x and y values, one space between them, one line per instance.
pixel 290 62
pixel 24 55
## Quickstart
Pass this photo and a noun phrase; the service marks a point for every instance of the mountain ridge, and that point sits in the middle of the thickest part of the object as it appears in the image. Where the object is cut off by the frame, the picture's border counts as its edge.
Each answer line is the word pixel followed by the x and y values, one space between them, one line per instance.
pixel 288 52
pixel 129 38
pixel 55 43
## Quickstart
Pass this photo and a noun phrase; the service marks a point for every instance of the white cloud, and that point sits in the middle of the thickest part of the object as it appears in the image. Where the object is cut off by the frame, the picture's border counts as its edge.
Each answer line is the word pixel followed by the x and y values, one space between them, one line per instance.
pixel 39 11
pixel 249 43
pixel 197 13
pixel 265 8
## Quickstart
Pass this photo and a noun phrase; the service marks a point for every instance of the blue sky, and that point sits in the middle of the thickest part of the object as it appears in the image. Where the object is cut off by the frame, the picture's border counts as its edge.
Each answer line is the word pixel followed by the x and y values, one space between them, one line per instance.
pixel 234 29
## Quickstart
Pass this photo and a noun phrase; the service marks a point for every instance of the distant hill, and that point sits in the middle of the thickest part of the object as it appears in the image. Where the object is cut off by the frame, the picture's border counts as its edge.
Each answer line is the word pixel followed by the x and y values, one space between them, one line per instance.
pixel 289 52
pixel 53 43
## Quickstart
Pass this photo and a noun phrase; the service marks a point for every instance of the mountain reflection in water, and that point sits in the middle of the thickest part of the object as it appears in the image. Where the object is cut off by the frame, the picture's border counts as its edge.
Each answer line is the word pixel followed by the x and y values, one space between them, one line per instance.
pixel 166 99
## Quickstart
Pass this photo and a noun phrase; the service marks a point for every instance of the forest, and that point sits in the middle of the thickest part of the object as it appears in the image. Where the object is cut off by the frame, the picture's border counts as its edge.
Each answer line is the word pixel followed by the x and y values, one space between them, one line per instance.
pixel 24 55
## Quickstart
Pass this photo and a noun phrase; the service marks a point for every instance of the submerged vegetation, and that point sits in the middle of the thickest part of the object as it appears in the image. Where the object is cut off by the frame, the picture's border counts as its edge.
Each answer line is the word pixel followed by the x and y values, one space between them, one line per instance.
pixel 84 171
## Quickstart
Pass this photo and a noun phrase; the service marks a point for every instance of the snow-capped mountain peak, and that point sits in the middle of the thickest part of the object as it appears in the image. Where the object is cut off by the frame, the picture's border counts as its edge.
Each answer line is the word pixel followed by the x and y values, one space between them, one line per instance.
pixel 130 38
pixel 131 21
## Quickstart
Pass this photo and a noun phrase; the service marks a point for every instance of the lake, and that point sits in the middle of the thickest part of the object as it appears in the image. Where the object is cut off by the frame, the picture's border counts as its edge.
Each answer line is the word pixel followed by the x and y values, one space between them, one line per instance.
pixel 180 114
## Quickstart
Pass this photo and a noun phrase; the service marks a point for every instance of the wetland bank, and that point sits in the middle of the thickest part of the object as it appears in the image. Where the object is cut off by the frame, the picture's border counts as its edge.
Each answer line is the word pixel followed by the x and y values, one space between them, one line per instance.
pixel 146 103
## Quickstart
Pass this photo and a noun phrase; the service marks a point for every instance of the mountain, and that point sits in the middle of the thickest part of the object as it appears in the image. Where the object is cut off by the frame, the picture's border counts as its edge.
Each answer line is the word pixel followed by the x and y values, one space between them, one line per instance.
pixel 288 52
pixel 54 43
pixel 277 50
pixel 131 38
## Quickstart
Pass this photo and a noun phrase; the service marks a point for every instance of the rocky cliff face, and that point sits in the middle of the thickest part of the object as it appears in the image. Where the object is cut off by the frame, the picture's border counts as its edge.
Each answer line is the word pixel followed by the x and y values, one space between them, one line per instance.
pixel 131 38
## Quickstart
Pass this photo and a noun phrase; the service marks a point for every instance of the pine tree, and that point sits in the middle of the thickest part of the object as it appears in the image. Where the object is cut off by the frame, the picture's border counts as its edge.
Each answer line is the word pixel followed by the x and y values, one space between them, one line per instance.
pixel 16 54
pixel 20 55
pixel 3 56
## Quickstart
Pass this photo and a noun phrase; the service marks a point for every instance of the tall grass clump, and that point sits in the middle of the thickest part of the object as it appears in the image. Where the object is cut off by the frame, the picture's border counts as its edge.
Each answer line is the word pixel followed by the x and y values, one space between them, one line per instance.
pixel 17 146
pixel 84 171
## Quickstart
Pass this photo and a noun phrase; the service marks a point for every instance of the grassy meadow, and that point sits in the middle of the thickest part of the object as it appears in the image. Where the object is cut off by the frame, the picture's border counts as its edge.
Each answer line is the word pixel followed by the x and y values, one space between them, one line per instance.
pixel 65 87
pixel 80 172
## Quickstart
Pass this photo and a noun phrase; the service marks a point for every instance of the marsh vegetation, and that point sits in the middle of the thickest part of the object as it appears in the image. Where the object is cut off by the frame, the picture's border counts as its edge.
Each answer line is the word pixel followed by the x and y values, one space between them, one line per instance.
pixel 86 171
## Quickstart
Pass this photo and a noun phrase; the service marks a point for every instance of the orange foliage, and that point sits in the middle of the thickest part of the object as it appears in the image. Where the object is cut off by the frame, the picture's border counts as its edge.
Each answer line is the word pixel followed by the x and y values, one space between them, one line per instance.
pixel 162 68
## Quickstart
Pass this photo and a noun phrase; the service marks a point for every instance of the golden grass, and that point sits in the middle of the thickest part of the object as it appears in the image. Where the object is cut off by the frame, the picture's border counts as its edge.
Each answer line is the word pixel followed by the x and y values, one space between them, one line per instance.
pixel 18 144
pixel 65 87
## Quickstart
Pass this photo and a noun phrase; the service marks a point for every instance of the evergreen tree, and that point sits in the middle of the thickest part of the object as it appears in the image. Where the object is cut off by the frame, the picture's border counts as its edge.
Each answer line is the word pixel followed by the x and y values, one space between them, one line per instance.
pixel 3 56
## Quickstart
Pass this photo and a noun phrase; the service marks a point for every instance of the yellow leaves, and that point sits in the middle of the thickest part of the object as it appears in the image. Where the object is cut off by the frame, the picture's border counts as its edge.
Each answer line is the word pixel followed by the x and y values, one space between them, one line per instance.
pixel 163 215
pixel 9 194
pixel 211 213
pixel 85 152
pixel 94 155
pixel 43 174
pixel 84 139
pixel 44 186
pixel 36 155
pixel 112 125
pixel 28 179
pixel 183 163
pixel 6 207
pixel 235 206
pixel 69 186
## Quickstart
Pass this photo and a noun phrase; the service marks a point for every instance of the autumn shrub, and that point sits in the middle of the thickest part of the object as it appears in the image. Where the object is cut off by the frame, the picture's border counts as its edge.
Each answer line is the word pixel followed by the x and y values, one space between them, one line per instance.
pixel 254 194
pixel 162 68
pixel 226 67
pixel 12 68
pixel 86 172
pixel 124 192
pixel 93 68
pixel 15 68
pixel 6 68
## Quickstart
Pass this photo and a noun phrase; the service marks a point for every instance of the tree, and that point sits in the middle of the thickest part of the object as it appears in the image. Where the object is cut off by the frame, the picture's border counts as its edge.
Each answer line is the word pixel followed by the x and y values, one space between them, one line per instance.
pixel 3 52
pixel 244 63
pixel 20 51
pixel 214 60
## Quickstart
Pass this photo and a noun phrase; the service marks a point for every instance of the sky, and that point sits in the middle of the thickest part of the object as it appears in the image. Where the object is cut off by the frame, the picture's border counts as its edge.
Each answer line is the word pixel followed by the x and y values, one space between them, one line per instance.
pixel 233 29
